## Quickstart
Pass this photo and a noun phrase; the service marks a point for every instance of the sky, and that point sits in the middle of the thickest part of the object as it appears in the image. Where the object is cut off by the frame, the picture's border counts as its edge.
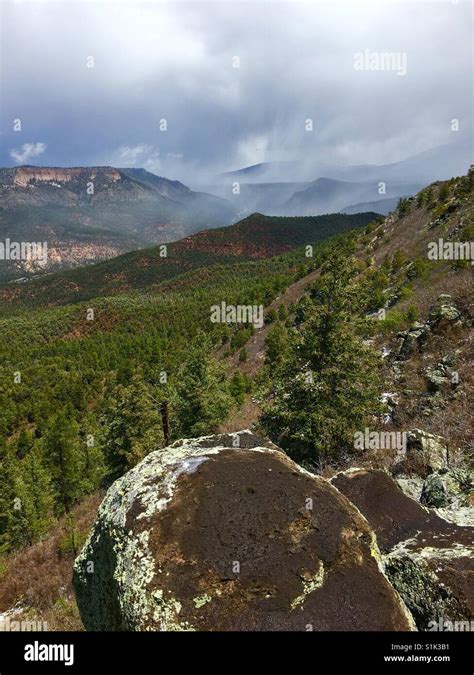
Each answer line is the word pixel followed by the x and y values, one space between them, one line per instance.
pixel 190 89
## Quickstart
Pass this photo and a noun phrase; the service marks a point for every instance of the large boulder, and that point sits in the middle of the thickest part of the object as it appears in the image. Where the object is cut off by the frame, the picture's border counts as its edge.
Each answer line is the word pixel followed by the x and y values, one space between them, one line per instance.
pixel 226 533
pixel 428 559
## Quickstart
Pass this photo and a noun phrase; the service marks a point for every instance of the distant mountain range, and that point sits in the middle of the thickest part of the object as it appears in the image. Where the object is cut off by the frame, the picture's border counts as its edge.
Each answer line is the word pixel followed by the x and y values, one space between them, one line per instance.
pixel 324 195
pixel 90 213
pixel 431 165
pixel 314 187
pixel 382 206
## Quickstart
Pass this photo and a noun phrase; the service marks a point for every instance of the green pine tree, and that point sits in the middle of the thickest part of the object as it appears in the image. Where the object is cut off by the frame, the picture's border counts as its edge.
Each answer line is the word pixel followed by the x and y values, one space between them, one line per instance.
pixel 65 462
pixel 94 462
pixel 277 344
pixel 13 522
pixel 202 390
pixel 240 385
pixel 131 426
pixel 24 443
pixel 329 385
pixel 34 489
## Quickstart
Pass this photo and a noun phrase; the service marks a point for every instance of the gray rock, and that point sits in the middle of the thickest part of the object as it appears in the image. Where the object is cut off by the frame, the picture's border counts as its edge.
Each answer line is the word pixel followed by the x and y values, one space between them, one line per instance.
pixel 431 450
pixel 410 341
pixel 226 533
pixel 434 493
pixel 437 378
pixel 459 491
pixel 445 309
pixel 450 359
pixel 429 560
pixel 459 485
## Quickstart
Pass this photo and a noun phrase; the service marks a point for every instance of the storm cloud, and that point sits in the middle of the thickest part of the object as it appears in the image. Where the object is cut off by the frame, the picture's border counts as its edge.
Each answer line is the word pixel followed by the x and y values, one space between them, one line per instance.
pixel 190 89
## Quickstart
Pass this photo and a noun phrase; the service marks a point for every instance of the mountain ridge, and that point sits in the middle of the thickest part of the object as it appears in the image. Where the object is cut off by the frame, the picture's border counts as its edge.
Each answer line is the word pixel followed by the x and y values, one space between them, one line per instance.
pixel 73 208
pixel 440 162
pixel 254 238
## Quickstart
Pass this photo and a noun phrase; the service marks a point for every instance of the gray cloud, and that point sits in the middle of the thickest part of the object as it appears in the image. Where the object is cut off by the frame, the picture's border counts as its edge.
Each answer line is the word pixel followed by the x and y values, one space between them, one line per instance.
pixel 27 152
pixel 154 61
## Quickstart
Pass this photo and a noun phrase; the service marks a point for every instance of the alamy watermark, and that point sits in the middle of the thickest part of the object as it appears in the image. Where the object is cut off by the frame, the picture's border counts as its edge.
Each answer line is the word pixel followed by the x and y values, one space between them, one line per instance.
pixel 24 250
pixel 224 313
pixel 451 250
pixel 8 625
pixel 380 440
pixel 446 625
pixel 381 61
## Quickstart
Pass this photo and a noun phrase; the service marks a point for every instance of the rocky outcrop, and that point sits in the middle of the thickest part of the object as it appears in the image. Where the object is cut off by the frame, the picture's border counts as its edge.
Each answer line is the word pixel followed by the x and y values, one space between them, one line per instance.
pixel 24 175
pixel 444 312
pixel 434 493
pixel 226 533
pixel 429 449
pixel 428 560
pixel 412 339
pixel 424 453
pixel 450 493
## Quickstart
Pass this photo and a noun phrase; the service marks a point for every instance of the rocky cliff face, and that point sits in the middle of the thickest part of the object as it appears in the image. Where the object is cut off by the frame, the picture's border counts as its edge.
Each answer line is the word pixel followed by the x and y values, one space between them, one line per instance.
pixel 101 207
pixel 25 175
pixel 226 533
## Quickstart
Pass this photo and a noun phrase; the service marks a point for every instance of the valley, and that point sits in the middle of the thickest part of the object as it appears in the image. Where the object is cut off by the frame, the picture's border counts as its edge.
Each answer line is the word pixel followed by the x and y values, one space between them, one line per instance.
pixel 256 237
pixel 152 338
pixel 236 333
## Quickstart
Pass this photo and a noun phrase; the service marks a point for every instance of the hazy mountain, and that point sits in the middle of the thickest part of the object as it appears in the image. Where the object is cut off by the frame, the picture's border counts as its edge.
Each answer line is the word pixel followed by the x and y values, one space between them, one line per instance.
pixel 313 198
pixel 204 207
pixel 89 213
pixel 295 187
pixel 438 163
pixel 326 195
pixel 382 206
pixel 264 172
pixel 266 198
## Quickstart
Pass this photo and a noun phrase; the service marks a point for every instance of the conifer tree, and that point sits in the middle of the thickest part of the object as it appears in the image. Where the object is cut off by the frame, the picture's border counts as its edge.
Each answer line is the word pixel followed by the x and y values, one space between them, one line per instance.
pixel 94 463
pixel 13 523
pixel 131 426
pixel 65 462
pixel 24 443
pixel 277 344
pixel 34 489
pixel 240 385
pixel 329 385
pixel 202 390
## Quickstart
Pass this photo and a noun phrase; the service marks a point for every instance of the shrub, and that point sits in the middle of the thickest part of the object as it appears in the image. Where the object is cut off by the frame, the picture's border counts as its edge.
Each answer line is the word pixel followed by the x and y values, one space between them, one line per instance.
pixel 403 207
pixel 271 316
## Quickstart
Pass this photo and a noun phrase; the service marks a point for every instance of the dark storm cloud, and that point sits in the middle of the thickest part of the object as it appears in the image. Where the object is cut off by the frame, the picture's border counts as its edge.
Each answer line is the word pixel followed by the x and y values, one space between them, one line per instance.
pixel 175 61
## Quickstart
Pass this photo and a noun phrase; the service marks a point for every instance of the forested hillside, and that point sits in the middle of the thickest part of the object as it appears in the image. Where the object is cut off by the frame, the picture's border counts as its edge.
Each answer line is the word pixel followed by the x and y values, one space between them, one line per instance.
pixel 82 384
pixel 256 237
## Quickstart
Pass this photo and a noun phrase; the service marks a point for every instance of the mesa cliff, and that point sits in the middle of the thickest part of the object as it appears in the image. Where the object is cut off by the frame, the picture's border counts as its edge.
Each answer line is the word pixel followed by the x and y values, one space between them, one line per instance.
pixel 24 175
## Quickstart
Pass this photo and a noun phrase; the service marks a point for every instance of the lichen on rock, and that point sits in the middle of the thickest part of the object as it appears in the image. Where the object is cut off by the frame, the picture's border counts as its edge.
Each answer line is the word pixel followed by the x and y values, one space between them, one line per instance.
pixel 428 559
pixel 227 533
